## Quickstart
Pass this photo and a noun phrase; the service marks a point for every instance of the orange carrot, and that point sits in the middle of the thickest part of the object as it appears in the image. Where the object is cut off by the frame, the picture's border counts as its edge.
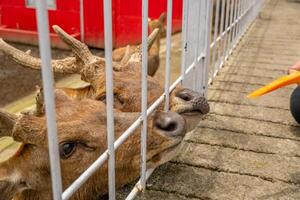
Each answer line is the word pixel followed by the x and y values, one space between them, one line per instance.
pixel 278 83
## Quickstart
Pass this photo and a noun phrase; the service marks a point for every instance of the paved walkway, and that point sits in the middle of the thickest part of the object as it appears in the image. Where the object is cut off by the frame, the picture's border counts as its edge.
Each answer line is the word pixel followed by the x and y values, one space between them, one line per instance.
pixel 244 149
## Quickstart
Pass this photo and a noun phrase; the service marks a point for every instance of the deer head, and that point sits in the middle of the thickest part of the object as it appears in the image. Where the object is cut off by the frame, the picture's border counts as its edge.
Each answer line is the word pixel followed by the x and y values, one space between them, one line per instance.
pixel 82 138
pixel 126 75
pixel 153 54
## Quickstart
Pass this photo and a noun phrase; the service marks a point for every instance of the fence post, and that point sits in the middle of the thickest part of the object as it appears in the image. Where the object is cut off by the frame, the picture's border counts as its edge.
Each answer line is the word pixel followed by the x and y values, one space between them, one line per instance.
pixel 206 64
pixel 144 93
pixel 48 84
pixel 190 32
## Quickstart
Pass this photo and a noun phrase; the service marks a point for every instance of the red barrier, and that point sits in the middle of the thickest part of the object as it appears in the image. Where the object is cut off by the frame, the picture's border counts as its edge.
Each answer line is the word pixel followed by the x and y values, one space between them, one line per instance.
pixel 18 23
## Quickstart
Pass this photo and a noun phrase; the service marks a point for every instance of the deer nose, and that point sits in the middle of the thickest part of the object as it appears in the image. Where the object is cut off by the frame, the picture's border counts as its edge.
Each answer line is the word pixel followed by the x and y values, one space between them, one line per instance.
pixel 170 123
pixel 197 101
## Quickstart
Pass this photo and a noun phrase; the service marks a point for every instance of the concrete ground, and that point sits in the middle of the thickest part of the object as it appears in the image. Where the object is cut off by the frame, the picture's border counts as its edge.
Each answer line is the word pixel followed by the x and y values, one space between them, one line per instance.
pixel 244 149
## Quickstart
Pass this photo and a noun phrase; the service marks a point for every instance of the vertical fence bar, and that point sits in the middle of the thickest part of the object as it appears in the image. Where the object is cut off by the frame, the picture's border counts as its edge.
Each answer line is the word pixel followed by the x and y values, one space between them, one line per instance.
pixel 226 30
pixel 238 21
pixel 185 25
pixel 207 27
pixel 168 54
pixel 81 10
pixel 231 24
pixel 247 11
pixel 230 27
pixel 144 92
pixel 235 23
pixel 198 35
pixel 248 14
pixel 241 18
pixel 221 34
pixel 47 76
pixel 214 63
pixel 109 96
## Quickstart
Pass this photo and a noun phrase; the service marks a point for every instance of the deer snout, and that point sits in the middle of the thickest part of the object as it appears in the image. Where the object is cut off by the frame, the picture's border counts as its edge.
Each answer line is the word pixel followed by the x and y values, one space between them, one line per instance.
pixel 195 100
pixel 170 123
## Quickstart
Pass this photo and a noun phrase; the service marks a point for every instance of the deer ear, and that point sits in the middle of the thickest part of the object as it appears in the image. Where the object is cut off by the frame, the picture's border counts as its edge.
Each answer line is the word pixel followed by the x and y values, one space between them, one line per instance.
pixel 39 100
pixel 162 17
pixel 7 123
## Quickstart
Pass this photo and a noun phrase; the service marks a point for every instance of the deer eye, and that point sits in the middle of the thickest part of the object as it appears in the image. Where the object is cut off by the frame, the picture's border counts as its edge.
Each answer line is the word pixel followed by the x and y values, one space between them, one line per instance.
pixel 119 98
pixel 102 98
pixel 67 149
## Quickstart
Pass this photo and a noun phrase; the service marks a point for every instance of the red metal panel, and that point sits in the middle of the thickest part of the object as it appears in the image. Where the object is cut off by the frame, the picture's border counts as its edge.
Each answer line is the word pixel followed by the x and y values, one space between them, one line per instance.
pixel 12 2
pixel 128 27
pixel 126 20
pixel 93 23
pixel 69 5
pixel 14 15
pixel 31 37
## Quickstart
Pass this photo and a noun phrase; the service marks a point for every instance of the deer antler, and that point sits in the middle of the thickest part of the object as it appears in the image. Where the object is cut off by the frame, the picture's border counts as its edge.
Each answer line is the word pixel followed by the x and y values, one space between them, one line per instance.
pixel 126 56
pixel 152 37
pixel 79 49
pixel 66 65
pixel 7 122
pixel 136 55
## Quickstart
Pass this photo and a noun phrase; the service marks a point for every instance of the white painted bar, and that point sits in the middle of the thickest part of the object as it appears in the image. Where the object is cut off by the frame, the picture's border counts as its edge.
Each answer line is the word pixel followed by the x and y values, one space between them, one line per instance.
pixel 206 50
pixel 233 36
pixel 107 9
pixel 48 83
pixel 221 34
pixel 231 26
pixel 137 188
pixel 144 92
pixel 216 30
pixel 198 35
pixel 184 38
pixel 227 28
pixel 168 54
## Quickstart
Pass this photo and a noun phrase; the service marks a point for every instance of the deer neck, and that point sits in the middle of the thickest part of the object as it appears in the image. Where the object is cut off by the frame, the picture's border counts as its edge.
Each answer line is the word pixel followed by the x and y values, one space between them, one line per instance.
pixel 33 195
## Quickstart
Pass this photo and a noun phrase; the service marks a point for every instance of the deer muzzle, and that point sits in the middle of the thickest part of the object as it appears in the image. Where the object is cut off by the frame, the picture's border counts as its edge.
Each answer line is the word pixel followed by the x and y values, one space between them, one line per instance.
pixel 170 123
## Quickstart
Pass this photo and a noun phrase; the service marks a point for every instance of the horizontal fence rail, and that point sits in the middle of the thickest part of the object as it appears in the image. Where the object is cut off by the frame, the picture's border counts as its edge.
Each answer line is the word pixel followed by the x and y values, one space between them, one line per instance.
pixel 207 41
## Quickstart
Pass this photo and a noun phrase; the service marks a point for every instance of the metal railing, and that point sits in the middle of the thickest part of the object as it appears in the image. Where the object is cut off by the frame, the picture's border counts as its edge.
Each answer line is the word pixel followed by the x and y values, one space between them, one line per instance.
pixel 199 56
pixel 225 39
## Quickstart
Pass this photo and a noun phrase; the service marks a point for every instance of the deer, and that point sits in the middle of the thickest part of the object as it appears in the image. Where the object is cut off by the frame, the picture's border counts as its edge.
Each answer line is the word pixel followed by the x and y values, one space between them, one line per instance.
pixel 91 68
pixel 81 125
pixel 153 53
pixel 126 76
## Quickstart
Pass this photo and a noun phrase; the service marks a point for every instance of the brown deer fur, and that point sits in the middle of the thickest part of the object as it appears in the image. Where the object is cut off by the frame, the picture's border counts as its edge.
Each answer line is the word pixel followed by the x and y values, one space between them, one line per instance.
pixel 127 78
pixel 80 119
pixel 26 175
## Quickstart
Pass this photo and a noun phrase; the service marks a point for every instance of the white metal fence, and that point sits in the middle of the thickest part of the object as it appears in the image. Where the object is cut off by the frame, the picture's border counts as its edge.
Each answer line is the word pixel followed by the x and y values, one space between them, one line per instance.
pixel 201 61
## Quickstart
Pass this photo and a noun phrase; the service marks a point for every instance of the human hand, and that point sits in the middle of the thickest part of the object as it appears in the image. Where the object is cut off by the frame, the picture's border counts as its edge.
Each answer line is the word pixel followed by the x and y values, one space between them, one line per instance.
pixel 294 68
